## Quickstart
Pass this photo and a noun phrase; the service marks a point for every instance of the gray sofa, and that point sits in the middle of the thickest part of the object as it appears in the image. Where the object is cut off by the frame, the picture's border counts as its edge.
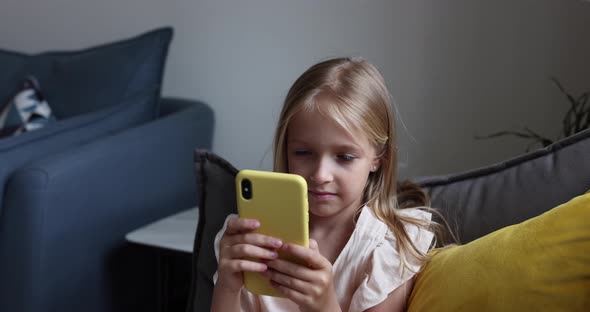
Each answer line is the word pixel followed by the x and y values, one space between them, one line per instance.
pixel 475 203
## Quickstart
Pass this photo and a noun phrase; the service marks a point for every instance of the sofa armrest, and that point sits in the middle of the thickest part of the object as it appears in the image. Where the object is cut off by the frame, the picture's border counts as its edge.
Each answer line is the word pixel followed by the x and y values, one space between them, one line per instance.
pixel 171 105
pixel 65 217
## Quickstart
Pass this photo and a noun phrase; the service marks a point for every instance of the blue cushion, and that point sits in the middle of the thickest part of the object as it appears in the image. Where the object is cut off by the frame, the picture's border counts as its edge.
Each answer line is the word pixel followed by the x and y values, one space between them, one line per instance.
pixel 93 93
pixel 78 82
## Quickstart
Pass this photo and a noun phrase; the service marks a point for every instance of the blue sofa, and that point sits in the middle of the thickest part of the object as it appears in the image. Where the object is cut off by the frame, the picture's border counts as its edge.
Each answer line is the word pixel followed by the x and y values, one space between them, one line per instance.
pixel 117 157
pixel 65 215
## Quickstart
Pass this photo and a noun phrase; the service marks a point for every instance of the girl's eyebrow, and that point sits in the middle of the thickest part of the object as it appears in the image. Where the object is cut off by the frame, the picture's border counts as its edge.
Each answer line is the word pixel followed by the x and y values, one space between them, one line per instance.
pixel 351 147
pixel 348 147
pixel 300 141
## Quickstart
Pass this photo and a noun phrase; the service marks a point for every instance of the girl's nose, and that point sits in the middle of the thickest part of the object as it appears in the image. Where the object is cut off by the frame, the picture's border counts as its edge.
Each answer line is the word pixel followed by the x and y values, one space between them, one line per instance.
pixel 322 173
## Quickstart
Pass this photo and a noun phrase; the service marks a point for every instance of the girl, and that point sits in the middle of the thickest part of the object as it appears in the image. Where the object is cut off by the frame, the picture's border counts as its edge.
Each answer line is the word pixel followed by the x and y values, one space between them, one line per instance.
pixel 337 131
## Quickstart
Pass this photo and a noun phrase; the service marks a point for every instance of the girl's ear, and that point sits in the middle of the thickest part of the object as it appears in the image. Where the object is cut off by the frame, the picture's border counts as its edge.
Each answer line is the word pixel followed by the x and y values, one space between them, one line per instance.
pixel 376 164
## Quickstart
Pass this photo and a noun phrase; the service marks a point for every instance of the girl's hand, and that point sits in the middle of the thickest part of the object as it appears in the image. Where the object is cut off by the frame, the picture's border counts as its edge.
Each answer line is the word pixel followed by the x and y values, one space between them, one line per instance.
pixel 311 287
pixel 237 244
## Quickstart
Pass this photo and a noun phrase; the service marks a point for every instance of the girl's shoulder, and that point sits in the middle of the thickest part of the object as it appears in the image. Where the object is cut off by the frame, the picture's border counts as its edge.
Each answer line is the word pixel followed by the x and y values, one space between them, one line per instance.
pixel 416 213
pixel 384 240
pixel 381 269
pixel 369 221
pixel 372 237
pixel 416 216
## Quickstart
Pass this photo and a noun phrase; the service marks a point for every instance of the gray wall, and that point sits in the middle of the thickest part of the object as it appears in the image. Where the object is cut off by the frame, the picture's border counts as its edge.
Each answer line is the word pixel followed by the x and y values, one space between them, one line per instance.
pixel 456 68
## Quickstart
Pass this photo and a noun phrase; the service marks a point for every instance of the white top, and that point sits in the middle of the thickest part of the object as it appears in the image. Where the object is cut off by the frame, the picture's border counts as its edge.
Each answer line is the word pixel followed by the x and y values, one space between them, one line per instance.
pixel 366 271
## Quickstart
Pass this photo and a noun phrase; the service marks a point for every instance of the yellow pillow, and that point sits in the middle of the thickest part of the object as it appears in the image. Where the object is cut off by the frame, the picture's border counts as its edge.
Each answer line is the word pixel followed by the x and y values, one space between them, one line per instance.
pixel 542 264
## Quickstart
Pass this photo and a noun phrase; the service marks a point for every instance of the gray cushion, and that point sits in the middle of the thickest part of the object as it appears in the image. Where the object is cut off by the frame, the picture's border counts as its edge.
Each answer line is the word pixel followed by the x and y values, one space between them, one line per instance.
pixel 483 200
pixel 217 194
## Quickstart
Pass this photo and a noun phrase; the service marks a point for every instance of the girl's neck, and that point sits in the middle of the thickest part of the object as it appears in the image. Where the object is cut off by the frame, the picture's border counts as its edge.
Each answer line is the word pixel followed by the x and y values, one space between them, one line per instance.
pixel 332 233
pixel 320 227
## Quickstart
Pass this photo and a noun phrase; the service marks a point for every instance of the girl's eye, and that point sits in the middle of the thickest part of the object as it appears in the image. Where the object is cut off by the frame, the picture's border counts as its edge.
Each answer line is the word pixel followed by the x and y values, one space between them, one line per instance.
pixel 301 152
pixel 346 157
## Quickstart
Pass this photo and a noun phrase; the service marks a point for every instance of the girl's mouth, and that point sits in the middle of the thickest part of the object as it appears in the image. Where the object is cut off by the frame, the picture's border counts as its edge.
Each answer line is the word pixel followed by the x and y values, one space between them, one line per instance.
pixel 321 195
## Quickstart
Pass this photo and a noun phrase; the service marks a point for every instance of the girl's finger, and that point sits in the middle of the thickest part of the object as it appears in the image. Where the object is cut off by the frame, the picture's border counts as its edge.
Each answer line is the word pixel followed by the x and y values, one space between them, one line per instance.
pixel 293 269
pixel 241 251
pixel 299 298
pixel 235 266
pixel 312 257
pixel 313 245
pixel 287 281
pixel 255 239
pixel 239 225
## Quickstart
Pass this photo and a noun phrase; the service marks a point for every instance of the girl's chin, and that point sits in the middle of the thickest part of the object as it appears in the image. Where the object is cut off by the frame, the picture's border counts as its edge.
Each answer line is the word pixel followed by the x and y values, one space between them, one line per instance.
pixel 327 209
pixel 322 210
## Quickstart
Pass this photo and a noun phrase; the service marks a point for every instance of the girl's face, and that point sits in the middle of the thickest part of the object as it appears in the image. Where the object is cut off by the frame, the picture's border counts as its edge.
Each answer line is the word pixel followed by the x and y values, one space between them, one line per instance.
pixel 335 163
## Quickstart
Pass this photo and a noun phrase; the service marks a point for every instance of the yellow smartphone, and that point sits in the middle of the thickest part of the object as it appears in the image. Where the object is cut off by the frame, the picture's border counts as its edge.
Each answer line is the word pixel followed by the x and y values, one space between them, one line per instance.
pixel 279 202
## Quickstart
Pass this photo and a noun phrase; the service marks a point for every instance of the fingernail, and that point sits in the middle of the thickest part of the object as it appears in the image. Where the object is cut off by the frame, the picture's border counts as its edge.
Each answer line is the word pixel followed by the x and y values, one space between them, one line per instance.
pixel 274 255
pixel 277 243
pixel 255 223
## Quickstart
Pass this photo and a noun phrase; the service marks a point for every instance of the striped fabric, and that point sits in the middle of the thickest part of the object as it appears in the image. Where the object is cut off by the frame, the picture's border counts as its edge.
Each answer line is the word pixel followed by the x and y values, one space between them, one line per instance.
pixel 27 111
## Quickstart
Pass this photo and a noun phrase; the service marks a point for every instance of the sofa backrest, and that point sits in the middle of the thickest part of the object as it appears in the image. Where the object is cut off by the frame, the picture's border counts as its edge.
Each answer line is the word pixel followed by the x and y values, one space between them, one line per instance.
pixel 483 200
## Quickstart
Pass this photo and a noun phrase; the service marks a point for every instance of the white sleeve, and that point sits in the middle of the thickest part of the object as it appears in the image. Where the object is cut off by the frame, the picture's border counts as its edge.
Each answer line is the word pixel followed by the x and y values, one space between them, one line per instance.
pixel 218 240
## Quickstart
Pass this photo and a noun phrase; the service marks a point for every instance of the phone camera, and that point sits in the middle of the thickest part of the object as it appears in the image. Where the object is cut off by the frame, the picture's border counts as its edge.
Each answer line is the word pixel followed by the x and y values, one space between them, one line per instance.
pixel 246 189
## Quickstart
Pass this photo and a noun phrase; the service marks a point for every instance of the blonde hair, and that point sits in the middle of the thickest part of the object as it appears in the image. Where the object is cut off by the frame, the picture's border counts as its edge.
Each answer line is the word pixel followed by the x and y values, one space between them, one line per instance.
pixel 360 102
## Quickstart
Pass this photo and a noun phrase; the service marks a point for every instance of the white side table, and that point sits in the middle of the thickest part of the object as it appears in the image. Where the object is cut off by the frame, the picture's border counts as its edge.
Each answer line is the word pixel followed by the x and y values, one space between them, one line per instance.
pixel 176 232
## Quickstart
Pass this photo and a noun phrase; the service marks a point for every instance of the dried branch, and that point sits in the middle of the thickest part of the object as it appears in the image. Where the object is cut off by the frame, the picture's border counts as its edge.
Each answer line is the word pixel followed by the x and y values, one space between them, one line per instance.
pixel 576 119
pixel 527 134
pixel 581 102
pixel 504 133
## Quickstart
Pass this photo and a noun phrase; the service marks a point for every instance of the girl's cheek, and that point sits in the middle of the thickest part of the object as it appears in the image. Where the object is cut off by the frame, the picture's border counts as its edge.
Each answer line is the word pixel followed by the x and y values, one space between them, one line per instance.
pixel 297 168
pixel 299 172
